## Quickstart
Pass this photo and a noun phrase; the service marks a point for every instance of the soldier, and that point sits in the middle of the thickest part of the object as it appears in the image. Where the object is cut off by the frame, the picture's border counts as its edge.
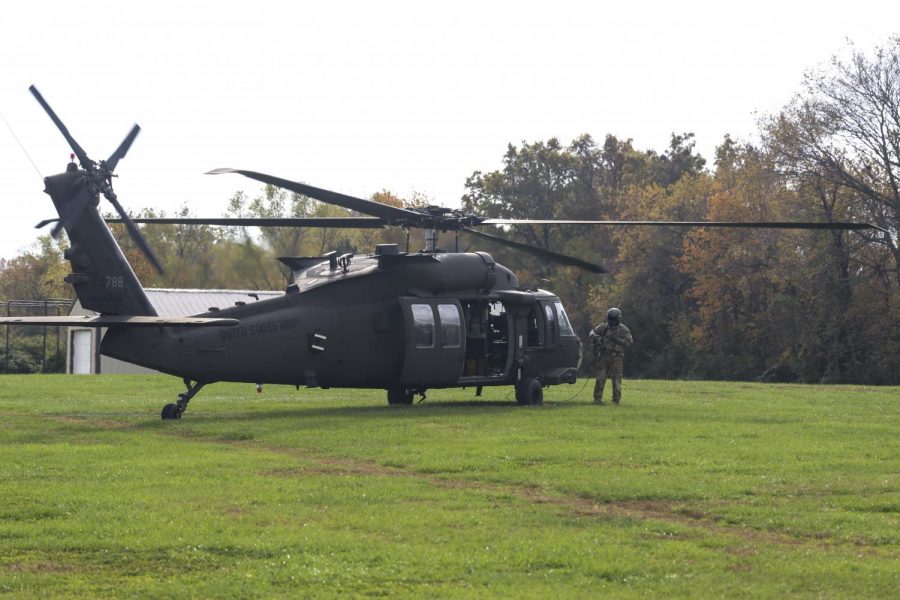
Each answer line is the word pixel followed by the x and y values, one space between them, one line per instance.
pixel 609 341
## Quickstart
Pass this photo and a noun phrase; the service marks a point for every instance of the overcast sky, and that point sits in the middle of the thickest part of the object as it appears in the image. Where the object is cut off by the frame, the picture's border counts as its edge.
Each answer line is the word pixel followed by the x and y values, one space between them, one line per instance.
pixel 363 96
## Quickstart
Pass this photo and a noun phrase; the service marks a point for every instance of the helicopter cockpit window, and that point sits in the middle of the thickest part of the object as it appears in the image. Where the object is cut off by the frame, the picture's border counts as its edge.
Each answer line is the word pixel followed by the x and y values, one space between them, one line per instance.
pixel 423 319
pixel 551 323
pixel 450 325
pixel 565 327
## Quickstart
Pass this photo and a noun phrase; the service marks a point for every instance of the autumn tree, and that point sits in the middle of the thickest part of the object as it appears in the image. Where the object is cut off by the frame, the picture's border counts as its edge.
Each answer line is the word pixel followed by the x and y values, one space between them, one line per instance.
pixel 735 273
pixel 36 274
pixel 365 240
pixel 190 254
pixel 545 180
pixel 535 183
pixel 837 144
pixel 646 282
pixel 843 131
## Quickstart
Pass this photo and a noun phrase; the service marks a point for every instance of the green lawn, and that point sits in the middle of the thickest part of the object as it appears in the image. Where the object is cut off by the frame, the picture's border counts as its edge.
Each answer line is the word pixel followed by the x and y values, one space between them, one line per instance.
pixel 692 489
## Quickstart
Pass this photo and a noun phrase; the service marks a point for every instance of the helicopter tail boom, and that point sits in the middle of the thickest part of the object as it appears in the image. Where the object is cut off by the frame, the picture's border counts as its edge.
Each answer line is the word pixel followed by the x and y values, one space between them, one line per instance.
pixel 120 321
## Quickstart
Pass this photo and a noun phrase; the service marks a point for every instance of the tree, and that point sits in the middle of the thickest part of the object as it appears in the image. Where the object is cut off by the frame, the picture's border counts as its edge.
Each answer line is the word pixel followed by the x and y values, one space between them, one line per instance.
pixel 837 145
pixel 37 273
pixel 189 253
pixel 844 129
pixel 365 240
pixel 646 283
pixel 735 274
pixel 544 180
pixel 535 183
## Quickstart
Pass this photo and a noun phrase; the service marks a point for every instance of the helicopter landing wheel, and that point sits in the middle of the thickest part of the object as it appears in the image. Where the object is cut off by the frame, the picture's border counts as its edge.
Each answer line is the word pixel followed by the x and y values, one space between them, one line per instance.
pixel 399 395
pixel 171 411
pixel 174 411
pixel 529 392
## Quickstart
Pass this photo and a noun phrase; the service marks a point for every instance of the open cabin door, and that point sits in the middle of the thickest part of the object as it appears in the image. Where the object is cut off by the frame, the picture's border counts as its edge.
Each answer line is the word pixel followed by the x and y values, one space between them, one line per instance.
pixel 434 344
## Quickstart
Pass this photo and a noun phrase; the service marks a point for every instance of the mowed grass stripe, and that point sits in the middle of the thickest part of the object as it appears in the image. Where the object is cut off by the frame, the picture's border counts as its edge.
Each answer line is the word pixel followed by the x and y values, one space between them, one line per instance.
pixel 330 493
pixel 683 513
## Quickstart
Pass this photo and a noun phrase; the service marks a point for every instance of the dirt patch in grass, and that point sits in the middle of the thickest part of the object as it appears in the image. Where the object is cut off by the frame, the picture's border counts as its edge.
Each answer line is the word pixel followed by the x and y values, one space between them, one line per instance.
pixel 89 421
pixel 294 472
pixel 671 512
pixel 742 551
pixel 41 567
pixel 741 567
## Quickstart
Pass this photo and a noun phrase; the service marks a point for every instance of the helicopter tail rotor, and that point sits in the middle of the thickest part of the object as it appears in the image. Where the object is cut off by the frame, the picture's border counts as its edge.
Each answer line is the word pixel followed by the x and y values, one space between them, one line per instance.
pixel 99 181
pixel 122 150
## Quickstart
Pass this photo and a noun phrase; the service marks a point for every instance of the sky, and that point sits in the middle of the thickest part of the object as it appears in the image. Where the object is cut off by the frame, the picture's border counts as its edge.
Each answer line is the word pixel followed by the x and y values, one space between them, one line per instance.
pixel 359 97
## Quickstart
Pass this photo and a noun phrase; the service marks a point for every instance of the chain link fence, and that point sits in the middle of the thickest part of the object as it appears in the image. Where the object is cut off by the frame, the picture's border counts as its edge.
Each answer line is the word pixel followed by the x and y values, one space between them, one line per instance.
pixel 34 348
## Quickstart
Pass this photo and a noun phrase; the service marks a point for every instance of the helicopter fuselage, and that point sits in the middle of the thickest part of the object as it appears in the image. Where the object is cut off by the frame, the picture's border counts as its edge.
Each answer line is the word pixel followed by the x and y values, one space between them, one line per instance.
pixel 414 321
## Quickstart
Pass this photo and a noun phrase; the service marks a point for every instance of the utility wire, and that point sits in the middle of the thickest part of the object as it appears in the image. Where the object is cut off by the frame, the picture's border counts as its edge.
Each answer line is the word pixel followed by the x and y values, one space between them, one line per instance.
pixel 22 146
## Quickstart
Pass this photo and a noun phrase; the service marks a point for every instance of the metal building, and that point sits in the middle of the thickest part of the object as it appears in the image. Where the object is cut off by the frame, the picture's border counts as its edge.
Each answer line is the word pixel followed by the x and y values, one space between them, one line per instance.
pixel 84 343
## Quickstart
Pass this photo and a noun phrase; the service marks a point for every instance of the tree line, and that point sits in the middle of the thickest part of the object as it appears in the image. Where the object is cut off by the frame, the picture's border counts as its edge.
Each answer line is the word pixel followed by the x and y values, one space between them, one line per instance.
pixel 810 306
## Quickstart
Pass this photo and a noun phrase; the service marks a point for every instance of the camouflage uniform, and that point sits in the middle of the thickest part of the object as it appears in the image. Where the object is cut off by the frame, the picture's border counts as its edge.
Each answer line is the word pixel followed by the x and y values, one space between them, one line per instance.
pixel 609 343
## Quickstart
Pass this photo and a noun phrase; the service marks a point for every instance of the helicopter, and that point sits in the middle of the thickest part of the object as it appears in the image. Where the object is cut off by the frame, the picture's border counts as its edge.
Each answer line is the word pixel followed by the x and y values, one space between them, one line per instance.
pixel 401 321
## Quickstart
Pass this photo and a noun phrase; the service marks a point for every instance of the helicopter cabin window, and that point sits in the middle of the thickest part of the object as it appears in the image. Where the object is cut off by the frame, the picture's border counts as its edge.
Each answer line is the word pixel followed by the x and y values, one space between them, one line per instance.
pixel 423 319
pixel 565 327
pixel 450 325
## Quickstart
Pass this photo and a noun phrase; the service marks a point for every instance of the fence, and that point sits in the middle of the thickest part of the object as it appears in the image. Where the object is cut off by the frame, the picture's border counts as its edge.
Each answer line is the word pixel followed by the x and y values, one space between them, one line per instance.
pixel 22 343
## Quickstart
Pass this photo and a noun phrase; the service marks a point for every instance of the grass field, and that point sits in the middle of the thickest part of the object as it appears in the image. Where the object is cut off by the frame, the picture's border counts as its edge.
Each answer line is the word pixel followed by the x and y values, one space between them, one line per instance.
pixel 691 489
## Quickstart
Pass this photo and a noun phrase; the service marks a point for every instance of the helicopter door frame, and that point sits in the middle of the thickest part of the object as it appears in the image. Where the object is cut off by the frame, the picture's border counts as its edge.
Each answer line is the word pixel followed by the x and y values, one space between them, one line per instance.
pixel 535 328
pixel 434 345
pixel 490 344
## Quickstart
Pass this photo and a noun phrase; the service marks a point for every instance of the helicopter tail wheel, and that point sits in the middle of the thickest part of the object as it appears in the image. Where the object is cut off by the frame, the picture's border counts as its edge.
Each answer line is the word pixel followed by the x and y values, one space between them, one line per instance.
pixel 171 411
pixel 529 392
pixel 399 395
pixel 174 411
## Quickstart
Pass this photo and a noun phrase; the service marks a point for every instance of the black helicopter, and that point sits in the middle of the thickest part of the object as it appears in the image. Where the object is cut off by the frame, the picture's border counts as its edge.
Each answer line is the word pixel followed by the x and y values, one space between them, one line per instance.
pixel 400 321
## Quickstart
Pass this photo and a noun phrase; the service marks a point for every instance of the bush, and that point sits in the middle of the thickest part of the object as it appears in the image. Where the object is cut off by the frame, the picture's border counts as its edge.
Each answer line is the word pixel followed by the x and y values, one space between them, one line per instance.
pixel 18 362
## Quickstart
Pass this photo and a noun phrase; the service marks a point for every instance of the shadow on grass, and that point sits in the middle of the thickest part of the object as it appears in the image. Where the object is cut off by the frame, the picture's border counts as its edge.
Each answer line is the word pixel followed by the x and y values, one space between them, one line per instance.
pixel 305 414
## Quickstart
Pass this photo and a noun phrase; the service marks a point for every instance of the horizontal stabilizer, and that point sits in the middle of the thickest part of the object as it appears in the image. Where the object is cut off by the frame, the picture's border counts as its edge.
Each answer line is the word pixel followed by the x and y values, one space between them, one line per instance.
pixel 120 321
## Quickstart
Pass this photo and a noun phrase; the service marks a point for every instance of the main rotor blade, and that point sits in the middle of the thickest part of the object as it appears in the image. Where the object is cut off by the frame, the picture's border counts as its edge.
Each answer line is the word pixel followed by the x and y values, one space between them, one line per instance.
pixel 135 234
pixel 330 222
pixel 391 214
pixel 746 224
pixel 562 259
pixel 78 150
pixel 122 150
pixel 333 222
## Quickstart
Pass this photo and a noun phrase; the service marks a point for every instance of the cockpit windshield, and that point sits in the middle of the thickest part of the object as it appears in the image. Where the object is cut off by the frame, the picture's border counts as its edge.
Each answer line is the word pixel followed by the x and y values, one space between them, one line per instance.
pixel 565 327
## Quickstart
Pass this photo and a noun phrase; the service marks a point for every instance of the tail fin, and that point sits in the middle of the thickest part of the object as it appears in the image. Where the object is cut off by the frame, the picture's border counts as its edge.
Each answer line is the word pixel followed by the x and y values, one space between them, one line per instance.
pixel 103 280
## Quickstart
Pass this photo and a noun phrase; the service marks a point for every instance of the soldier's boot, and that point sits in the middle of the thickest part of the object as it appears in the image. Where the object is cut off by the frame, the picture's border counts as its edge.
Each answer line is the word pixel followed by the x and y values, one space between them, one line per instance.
pixel 598 392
